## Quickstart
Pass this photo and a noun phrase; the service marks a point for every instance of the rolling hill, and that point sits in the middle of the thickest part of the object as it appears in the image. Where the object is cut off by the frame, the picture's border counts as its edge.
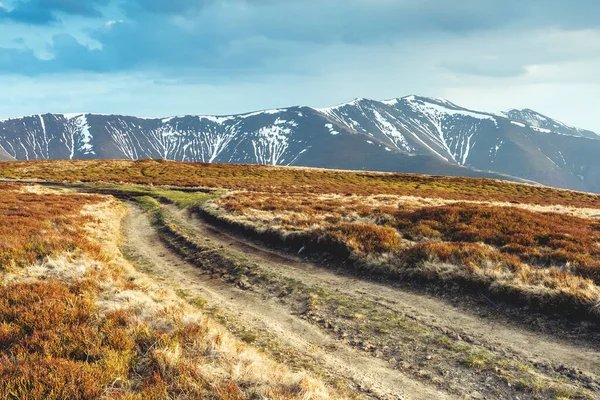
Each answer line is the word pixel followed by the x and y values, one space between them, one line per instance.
pixel 395 284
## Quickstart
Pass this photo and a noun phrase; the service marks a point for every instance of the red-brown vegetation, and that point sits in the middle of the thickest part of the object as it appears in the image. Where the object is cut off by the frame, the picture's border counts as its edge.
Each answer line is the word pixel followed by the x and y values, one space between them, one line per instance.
pixel 515 234
pixel 52 345
pixel 35 226
pixel 505 247
pixel 366 238
pixel 540 239
pixel 292 180
pixel 58 342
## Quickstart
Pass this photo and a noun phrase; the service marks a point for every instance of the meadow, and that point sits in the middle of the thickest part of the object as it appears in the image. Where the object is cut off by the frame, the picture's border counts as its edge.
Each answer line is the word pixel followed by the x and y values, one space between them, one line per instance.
pixel 518 241
pixel 77 321
pixel 551 259
pixel 259 178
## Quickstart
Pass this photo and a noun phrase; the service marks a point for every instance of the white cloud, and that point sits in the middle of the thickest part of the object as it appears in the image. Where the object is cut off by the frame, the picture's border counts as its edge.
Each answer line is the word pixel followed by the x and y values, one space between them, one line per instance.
pixel 562 86
pixel 493 65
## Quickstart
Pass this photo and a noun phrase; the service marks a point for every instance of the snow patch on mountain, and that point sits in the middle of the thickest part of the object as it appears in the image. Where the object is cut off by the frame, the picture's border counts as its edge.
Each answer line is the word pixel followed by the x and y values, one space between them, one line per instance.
pixel 271 144
pixel 391 102
pixel 390 131
pixel 264 112
pixel 85 137
pixel 329 110
pixel 291 123
pixel 331 130
pixel 217 120
pixel 213 144
pixel 494 151
pixel 535 128
pixel 439 112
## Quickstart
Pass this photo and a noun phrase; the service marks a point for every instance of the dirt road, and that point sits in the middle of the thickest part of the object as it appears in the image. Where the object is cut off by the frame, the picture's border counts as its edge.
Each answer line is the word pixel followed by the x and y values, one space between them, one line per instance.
pixel 372 376
pixel 375 377
pixel 430 311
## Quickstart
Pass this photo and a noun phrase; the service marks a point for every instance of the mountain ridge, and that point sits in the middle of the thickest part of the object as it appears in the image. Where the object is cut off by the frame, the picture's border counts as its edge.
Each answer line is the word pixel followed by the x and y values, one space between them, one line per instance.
pixel 505 113
pixel 407 134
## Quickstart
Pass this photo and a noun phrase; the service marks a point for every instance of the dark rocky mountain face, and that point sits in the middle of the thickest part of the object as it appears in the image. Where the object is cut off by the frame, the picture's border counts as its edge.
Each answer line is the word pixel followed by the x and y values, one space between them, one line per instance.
pixel 411 134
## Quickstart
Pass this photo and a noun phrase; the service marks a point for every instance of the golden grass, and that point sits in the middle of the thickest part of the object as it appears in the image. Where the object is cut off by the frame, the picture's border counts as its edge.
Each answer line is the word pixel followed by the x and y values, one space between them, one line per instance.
pixel 484 228
pixel 292 180
pixel 77 321
pixel 507 249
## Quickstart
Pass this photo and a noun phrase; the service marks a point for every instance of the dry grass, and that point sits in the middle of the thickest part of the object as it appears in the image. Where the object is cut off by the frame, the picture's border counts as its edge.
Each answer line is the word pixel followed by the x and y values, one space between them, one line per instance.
pixel 35 226
pixel 510 249
pixel 497 234
pixel 77 321
pixel 293 180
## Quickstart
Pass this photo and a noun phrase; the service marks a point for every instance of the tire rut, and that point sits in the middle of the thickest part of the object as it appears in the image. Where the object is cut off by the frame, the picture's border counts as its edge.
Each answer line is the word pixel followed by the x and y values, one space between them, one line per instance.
pixel 376 380
pixel 433 312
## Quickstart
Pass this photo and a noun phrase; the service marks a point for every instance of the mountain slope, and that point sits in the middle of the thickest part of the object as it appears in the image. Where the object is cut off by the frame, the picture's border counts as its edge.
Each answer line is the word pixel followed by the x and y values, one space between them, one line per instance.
pixel 479 140
pixel 296 136
pixel 4 156
pixel 546 124
pixel 409 134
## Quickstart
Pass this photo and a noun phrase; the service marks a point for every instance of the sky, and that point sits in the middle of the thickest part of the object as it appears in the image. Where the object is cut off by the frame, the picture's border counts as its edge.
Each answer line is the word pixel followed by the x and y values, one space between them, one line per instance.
pixel 173 57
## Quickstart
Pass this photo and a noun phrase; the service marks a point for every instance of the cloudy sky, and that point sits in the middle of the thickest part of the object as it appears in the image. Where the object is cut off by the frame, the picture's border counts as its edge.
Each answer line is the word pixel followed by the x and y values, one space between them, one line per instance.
pixel 169 57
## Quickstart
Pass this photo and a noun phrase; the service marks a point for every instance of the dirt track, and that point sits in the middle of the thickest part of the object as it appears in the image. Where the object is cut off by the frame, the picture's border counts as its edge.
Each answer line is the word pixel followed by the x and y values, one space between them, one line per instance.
pixel 376 380
pixel 374 376
pixel 428 310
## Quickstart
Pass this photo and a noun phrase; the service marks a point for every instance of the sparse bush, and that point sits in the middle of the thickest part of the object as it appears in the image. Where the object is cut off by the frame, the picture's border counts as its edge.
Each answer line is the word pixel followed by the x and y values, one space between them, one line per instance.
pixel 366 238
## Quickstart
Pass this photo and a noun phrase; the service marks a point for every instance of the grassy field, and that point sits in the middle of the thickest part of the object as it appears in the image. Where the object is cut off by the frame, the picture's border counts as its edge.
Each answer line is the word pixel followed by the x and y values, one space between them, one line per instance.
pixel 525 242
pixel 79 322
pixel 292 180
pixel 549 257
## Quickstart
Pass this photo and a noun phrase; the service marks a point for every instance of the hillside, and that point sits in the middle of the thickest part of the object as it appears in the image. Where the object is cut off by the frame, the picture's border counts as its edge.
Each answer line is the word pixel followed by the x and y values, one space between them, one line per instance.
pixel 410 134
pixel 78 321
pixel 440 287
pixel 4 156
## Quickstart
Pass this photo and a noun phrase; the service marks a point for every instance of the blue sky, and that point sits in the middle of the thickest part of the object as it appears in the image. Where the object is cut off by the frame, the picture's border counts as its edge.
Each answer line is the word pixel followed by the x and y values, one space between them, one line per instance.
pixel 167 57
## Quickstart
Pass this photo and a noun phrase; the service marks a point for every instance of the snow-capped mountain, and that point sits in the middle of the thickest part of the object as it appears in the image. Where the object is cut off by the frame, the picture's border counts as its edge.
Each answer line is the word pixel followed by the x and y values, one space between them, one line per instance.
pixel 546 124
pixel 409 134
pixel 415 125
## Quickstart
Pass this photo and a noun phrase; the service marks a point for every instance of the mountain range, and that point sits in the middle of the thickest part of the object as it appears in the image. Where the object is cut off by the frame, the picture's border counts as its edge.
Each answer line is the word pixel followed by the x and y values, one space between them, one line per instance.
pixel 408 134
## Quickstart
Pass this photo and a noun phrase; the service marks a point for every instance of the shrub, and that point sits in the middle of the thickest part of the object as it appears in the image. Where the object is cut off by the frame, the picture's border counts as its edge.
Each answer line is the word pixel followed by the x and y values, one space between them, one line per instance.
pixel 366 238
pixel 543 239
